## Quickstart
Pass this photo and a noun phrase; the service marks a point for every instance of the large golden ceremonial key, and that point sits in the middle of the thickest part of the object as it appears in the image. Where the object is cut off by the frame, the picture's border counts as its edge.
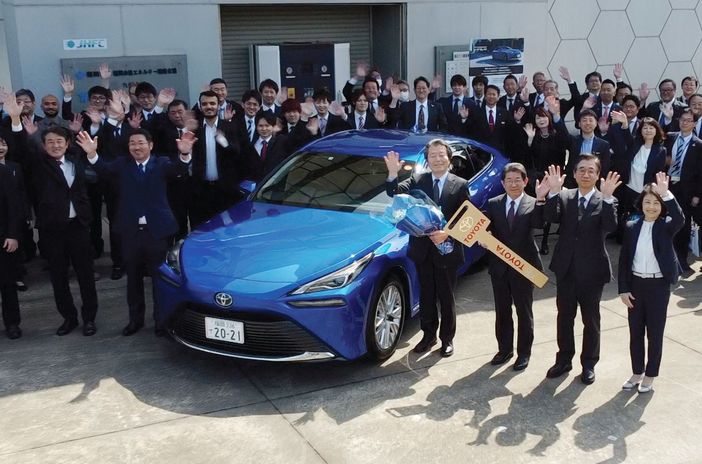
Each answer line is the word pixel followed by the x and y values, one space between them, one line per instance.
pixel 469 225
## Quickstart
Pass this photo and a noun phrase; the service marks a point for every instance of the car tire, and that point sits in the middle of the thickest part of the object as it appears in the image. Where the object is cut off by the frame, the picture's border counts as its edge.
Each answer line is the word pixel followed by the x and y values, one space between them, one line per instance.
pixel 386 319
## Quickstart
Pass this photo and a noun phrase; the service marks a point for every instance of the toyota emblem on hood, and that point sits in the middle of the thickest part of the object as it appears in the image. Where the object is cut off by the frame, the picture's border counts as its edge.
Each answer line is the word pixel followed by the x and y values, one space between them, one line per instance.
pixel 224 300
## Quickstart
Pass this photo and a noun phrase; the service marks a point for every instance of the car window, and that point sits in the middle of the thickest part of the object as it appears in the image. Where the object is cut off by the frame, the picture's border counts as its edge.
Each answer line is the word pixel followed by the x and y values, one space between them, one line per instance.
pixel 331 181
pixel 467 161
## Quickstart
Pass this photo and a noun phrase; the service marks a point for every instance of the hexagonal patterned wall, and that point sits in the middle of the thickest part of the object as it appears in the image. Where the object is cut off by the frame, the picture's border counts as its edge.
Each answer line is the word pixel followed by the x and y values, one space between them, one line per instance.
pixel 654 39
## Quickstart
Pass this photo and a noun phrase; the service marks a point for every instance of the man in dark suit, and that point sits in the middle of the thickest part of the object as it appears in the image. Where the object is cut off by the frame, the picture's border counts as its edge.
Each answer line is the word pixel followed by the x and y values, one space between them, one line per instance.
pixel 510 101
pixel 361 116
pixel 269 150
pixel 268 88
pixel 604 107
pixel 217 165
pixel 587 142
pixel 62 218
pixel 452 104
pixel 437 272
pixel 420 115
pixel 293 126
pixel 537 98
pixel 10 230
pixel 491 124
pixel 245 122
pixel 685 171
pixel 226 107
pixel 328 123
pixel 512 220
pixel 144 219
pixel 580 260
pixel 593 81
pixel 478 84
pixel 666 90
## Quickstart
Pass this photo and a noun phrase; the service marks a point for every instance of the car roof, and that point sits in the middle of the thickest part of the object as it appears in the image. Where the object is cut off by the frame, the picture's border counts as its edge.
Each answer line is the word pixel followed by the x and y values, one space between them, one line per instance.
pixel 377 142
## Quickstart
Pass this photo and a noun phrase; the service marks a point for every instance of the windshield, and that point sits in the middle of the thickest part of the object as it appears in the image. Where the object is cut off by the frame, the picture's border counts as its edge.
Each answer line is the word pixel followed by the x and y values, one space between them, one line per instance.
pixel 331 181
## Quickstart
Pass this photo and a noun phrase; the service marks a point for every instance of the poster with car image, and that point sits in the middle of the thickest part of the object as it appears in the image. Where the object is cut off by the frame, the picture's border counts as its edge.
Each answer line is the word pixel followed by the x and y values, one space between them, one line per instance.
pixel 496 58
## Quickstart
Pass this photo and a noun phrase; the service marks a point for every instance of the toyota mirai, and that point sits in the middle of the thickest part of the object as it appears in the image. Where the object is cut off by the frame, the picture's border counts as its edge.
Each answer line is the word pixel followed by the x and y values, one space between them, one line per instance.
pixel 307 268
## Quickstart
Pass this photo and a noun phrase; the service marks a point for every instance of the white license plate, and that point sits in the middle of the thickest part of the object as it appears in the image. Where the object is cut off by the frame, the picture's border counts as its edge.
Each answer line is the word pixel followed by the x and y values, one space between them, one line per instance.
pixel 224 330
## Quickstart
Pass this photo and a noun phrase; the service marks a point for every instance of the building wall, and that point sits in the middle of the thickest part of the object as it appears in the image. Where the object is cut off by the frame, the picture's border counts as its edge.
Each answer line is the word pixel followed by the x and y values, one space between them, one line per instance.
pixel 4 62
pixel 653 38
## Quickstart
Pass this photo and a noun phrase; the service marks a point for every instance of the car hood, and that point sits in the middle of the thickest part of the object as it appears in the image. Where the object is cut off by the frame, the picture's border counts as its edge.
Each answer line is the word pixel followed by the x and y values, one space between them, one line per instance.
pixel 282 244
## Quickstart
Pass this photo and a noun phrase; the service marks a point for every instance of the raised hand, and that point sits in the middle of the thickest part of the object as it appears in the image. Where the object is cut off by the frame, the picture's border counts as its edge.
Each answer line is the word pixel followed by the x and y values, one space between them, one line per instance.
pixel 135 120
pixel 361 70
pixel 380 115
pixel 610 184
pixel 115 107
pixel 529 130
pixel 524 95
pixel 94 115
pixel 395 92
pixel 229 112
pixel 282 95
pixel 619 117
pixel 603 124
pixel 393 163
pixel 313 126
pixel 554 179
pixel 589 103
pixel 278 126
pixel 4 94
pixel 165 97
pixel 124 98
pixel 543 188
pixel 667 110
pixel 519 114
pixel 436 82
pixel 29 125
pixel 307 110
pixel 12 108
pixel 87 143
pixel 190 121
pixel 464 112
pixel 77 124
pixel 618 69
pixel 67 84
pixel 661 185
pixel 105 72
pixel 337 109
pixel 185 142
pixel 554 105
pixel 389 81
pixel 565 73
pixel 523 81
pixel 644 92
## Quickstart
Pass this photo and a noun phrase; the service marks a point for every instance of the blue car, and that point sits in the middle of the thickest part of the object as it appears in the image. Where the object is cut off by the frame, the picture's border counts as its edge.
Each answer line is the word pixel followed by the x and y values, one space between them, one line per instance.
pixel 306 268
pixel 505 53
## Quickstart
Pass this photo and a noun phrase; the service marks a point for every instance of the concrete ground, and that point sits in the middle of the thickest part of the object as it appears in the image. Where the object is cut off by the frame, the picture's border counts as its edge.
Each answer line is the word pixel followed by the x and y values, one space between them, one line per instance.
pixel 142 399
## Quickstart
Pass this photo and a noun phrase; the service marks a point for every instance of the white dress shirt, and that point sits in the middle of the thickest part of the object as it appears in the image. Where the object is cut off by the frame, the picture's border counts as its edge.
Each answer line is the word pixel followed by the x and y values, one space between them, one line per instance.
pixel 638 169
pixel 645 261
pixel 426 115
pixel 211 173
pixel 517 202
pixel 69 173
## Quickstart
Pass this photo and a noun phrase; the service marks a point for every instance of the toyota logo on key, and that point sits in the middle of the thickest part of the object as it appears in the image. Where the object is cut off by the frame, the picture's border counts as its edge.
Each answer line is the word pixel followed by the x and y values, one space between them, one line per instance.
pixel 224 300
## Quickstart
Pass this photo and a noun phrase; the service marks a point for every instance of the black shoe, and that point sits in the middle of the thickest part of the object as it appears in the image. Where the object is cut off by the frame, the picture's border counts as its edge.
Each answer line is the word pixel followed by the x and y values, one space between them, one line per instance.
pixel 521 363
pixel 544 249
pixel 588 376
pixel 66 328
pixel 424 345
pixel 89 329
pixel 446 350
pixel 131 329
pixel 13 332
pixel 558 370
pixel 21 286
pixel 501 358
pixel 117 273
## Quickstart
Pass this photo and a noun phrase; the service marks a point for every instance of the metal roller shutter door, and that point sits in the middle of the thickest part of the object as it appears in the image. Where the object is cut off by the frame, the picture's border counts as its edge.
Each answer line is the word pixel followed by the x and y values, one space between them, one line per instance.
pixel 246 25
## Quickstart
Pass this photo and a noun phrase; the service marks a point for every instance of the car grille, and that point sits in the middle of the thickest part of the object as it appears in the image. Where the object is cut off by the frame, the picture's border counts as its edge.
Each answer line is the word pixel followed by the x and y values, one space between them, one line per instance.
pixel 264 335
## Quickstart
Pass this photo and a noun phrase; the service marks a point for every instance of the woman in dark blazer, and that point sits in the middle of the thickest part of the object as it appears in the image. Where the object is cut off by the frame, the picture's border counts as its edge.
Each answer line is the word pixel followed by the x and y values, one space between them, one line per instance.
pixel 544 144
pixel 637 159
pixel 648 267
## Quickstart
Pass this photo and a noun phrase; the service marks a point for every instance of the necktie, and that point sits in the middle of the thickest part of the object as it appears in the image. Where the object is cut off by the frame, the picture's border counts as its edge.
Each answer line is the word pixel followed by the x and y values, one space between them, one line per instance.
pixel 264 150
pixel 117 132
pixel 581 208
pixel 436 192
pixel 220 113
pixel 141 169
pixel 605 112
pixel 421 123
pixel 360 122
pixel 323 125
pixel 677 164
pixel 291 128
pixel 510 102
pixel 149 116
pixel 180 132
pixel 250 130
pixel 491 121
pixel 510 214
pixel 372 107
pixel 455 106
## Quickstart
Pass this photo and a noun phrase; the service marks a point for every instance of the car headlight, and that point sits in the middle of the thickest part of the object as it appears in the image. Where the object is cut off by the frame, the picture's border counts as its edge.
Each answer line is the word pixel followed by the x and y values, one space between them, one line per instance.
pixel 336 279
pixel 173 257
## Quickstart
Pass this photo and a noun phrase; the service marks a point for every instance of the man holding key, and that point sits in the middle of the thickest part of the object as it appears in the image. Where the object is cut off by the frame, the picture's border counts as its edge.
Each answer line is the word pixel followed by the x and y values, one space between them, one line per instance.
pixel 513 216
